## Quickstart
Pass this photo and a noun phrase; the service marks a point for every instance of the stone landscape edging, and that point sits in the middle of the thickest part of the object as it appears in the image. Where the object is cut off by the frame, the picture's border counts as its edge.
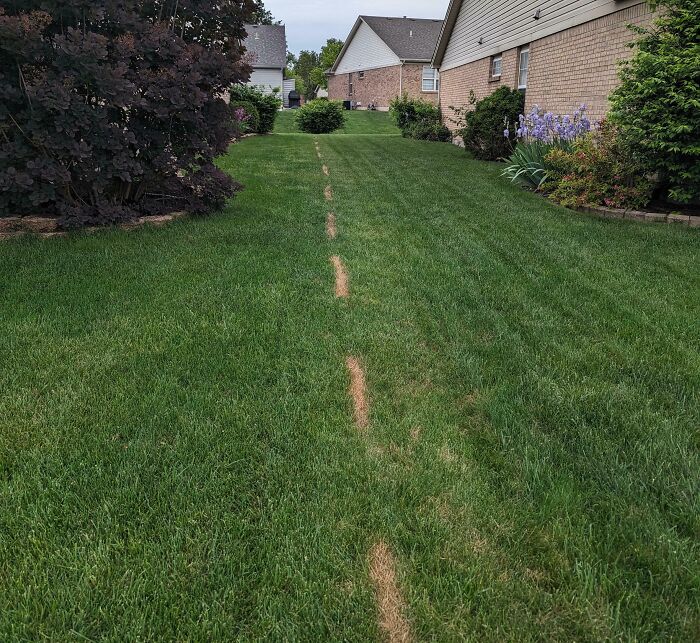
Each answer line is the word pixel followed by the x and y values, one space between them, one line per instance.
pixel 48 227
pixel 640 216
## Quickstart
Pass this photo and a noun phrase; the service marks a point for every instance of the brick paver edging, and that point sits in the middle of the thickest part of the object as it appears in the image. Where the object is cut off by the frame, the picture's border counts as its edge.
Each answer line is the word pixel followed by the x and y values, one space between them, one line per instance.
pixel 638 215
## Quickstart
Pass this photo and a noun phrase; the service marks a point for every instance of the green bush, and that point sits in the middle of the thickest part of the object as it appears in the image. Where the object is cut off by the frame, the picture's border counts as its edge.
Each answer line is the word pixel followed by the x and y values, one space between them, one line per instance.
pixel 483 126
pixel 250 124
pixel 406 111
pixel 418 119
pixel 320 117
pixel 598 169
pixel 428 132
pixel 657 105
pixel 266 105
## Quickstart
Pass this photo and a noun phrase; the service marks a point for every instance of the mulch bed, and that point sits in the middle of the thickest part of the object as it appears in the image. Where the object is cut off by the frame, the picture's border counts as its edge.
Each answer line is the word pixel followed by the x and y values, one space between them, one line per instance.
pixel 48 227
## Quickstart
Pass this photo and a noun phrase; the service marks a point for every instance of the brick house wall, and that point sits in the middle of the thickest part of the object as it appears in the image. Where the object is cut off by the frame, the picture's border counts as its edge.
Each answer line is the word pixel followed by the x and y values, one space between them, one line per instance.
pixel 381 86
pixel 577 65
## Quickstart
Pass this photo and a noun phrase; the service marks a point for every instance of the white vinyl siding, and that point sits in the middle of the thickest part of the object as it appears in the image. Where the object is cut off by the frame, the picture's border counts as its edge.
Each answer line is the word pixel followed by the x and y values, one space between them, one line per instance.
pixel 503 24
pixel 366 51
pixel 267 80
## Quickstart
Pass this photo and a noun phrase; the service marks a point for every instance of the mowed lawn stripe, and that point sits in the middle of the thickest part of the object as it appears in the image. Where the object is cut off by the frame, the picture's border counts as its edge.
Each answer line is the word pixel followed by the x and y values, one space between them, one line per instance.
pixel 548 360
pixel 175 457
pixel 176 454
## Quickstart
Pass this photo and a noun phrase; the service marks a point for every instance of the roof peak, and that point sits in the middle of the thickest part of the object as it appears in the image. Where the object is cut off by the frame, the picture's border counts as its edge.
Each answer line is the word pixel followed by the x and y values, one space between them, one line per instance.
pixel 402 18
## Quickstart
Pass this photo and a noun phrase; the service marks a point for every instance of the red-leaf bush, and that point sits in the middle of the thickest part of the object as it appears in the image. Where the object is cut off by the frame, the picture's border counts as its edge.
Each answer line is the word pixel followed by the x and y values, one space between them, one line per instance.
pixel 110 109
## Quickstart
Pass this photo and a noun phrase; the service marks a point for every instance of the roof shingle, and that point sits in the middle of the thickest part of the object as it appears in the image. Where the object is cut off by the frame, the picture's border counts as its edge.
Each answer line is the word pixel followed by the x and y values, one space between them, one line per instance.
pixel 408 38
pixel 266 46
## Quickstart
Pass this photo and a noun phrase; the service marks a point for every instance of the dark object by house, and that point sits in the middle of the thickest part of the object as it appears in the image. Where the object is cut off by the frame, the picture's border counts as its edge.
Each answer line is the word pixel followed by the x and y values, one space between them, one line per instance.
pixel 347 105
pixel 294 99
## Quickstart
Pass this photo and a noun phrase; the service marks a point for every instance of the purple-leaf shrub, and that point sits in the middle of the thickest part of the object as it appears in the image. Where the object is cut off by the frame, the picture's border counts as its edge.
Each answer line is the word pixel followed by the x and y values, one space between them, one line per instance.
pixel 113 108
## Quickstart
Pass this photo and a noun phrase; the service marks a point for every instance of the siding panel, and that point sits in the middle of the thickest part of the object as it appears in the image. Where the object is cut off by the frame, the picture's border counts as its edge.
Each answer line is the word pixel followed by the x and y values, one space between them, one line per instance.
pixel 366 51
pixel 504 25
pixel 267 80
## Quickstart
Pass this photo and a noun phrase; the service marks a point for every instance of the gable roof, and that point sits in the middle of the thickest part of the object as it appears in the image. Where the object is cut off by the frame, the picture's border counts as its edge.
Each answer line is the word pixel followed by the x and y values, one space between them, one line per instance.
pixel 266 46
pixel 411 39
pixel 448 24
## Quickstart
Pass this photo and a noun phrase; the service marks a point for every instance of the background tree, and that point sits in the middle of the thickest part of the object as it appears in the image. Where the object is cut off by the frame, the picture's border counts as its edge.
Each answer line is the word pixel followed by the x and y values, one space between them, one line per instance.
pixel 657 105
pixel 113 108
pixel 262 16
pixel 329 54
pixel 305 65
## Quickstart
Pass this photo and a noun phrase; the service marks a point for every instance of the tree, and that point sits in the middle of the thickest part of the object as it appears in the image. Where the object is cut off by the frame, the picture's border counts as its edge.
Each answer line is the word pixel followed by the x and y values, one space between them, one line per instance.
pixel 305 65
pixel 329 54
pixel 262 16
pixel 657 105
pixel 113 108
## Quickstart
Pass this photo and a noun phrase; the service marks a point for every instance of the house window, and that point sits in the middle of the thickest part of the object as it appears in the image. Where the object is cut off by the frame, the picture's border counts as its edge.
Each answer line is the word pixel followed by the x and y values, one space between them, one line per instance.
pixel 496 65
pixel 361 75
pixel 523 67
pixel 350 84
pixel 431 79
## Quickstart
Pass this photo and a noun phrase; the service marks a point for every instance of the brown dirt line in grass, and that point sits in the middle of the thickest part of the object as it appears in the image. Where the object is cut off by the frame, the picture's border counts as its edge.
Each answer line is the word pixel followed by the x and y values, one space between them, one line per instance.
pixel 390 603
pixel 331 228
pixel 358 393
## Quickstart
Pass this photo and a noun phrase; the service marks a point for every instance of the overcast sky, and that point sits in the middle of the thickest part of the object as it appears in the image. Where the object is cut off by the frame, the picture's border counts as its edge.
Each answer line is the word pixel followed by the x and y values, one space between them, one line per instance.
pixel 311 22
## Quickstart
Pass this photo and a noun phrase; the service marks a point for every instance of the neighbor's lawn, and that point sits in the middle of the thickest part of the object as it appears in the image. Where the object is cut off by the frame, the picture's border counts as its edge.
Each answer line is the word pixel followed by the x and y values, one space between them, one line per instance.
pixel 177 454
pixel 357 122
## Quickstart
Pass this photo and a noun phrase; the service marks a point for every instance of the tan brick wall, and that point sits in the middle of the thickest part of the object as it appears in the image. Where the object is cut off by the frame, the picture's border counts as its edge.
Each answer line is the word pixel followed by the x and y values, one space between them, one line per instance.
pixel 381 86
pixel 574 66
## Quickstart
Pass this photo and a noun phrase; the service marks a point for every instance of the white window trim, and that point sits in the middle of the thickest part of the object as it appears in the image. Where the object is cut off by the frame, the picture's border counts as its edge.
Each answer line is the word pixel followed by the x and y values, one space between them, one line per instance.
pixel 523 50
pixel 494 59
pixel 434 79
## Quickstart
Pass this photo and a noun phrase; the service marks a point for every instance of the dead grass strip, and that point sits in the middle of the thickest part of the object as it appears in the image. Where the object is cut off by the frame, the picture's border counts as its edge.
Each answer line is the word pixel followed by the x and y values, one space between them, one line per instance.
pixel 328 193
pixel 326 171
pixel 331 228
pixel 342 288
pixel 358 393
pixel 390 603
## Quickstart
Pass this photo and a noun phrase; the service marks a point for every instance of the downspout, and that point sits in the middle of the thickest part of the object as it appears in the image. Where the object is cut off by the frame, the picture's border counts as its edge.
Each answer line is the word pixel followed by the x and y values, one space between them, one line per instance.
pixel 403 62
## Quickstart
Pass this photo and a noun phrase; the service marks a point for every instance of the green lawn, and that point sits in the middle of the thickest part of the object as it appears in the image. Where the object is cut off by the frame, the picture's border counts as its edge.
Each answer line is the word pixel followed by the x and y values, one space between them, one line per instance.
pixel 178 459
pixel 357 123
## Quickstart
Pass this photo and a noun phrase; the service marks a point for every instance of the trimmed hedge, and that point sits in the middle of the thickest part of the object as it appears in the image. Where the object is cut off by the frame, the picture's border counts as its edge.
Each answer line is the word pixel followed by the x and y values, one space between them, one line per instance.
pixel 418 119
pixel 320 117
